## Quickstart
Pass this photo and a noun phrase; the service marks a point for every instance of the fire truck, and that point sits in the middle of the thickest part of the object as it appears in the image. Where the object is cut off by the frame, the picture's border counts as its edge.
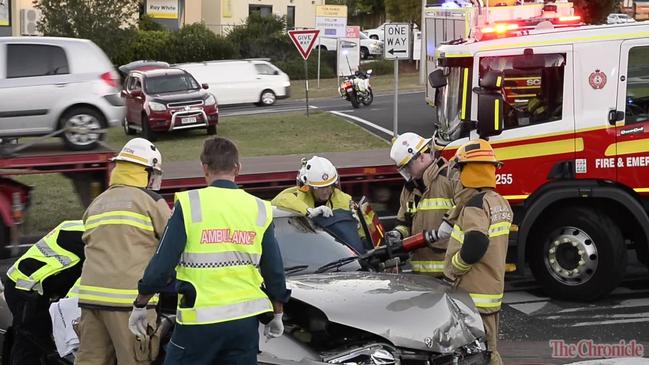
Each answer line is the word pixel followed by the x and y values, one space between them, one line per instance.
pixel 567 112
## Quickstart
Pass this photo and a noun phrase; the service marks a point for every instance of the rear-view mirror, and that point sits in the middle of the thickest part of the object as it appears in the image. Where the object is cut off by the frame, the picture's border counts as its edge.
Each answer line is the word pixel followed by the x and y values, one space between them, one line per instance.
pixel 205 86
pixel 437 79
pixel 275 72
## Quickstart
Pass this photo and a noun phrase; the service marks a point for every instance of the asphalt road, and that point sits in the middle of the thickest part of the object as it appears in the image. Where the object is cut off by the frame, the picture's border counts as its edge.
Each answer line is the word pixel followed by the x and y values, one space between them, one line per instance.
pixel 532 325
pixel 414 114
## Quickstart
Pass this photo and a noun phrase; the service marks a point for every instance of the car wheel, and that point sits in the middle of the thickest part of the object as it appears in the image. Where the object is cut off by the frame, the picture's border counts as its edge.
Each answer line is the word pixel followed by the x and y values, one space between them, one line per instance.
pixel 127 130
pixel 365 53
pixel 578 254
pixel 82 128
pixel 267 98
pixel 321 48
pixel 147 133
pixel 374 36
pixel 211 129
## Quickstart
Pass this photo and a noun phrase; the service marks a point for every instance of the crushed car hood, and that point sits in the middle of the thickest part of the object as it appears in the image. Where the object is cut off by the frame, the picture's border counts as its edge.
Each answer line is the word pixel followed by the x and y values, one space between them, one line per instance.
pixel 411 311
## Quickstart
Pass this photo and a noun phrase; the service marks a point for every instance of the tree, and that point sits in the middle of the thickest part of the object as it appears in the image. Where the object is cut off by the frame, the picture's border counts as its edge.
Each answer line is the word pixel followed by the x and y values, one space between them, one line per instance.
pixel 108 23
pixel 404 10
pixel 594 11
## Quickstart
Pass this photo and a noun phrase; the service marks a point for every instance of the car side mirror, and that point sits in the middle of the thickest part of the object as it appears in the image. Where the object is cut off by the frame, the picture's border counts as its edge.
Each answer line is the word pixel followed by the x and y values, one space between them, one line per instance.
pixel 275 72
pixel 205 86
pixel 437 79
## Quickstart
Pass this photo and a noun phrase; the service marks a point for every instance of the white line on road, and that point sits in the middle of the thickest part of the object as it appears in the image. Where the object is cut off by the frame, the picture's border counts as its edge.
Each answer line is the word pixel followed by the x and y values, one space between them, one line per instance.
pixel 629 303
pixel 599 316
pixel 265 111
pixel 616 321
pixel 363 121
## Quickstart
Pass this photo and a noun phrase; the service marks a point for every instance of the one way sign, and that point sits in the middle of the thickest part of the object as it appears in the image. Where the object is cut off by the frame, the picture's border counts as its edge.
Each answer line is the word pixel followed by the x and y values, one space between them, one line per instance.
pixel 397 41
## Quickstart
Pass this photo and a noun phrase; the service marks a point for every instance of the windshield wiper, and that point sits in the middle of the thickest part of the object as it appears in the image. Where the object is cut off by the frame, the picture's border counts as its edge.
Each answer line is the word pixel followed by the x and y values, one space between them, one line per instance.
pixel 336 264
pixel 293 269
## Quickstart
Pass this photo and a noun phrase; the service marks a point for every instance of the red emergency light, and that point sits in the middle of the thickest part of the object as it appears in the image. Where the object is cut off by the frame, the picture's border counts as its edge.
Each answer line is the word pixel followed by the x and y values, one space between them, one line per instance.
pixel 500 28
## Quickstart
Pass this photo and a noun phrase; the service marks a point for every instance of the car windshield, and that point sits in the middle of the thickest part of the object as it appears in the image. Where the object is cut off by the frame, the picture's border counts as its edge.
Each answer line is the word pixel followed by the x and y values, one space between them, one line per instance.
pixel 170 83
pixel 303 244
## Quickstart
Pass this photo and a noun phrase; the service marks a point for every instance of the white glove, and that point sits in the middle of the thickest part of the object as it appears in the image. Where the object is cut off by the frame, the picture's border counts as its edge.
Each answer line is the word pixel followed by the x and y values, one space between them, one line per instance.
pixel 138 321
pixel 323 210
pixel 274 328
pixel 444 230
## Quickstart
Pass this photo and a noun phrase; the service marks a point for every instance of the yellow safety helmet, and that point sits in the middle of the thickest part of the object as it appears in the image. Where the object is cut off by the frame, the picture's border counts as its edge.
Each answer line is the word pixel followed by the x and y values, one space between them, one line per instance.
pixel 476 151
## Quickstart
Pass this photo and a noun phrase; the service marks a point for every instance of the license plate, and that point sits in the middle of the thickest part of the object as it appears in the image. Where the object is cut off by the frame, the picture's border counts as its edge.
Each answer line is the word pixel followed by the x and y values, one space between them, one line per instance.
pixel 349 90
pixel 189 120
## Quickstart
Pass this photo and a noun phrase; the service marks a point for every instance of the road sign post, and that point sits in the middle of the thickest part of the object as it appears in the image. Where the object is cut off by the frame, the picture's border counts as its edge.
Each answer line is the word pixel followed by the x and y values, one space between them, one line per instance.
pixel 396 47
pixel 304 41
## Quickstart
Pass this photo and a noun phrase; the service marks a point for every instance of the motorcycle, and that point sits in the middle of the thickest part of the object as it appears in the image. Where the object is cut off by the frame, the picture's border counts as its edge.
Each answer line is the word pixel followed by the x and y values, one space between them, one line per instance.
pixel 356 88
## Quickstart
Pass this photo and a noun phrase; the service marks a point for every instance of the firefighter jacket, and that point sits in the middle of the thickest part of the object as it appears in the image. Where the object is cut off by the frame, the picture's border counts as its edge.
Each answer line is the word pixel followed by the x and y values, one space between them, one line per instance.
pixel 477 249
pixel 222 255
pixel 123 227
pixel 51 265
pixel 297 200
pixel 422 208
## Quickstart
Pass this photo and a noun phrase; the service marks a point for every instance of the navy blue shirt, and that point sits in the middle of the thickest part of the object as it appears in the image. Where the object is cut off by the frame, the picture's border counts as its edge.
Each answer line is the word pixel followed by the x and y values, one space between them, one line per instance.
pixel 161 269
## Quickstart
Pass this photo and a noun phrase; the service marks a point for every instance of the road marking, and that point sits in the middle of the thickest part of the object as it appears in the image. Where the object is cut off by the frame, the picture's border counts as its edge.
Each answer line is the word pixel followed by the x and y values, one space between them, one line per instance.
pixel 629 303
pixel 529 308
pixel 522 297
pixel 616 321
pixel 601 316
pixel 363 121
pixel 264 111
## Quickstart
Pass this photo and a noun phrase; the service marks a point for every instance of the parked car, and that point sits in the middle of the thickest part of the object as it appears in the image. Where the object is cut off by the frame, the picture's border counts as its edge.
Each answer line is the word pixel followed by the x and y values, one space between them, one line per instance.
pixel 378 33
pixel 241 81
pixel 140 65
pixel 369 47
pixel 50 84
pixel 338 314
pixel 164 100
pixel 619 18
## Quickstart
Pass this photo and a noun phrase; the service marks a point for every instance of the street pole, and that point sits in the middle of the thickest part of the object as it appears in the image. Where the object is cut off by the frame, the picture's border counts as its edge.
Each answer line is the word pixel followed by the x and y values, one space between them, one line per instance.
pixel 319 47
pixel 422 59
pixel 395 118
pixel 306 85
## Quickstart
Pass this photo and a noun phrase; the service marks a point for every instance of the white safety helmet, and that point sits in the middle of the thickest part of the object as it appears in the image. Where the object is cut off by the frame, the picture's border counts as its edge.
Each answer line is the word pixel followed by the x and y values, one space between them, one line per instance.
pixel 404 148
pixel 142 152
pixel 319 172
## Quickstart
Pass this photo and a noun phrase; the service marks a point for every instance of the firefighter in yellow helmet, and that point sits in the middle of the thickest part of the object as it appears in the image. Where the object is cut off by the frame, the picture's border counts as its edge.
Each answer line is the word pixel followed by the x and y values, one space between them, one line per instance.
pixel 123 228
pixel 477 249
pixel 425 199
pixel 43 274
pixel 317 192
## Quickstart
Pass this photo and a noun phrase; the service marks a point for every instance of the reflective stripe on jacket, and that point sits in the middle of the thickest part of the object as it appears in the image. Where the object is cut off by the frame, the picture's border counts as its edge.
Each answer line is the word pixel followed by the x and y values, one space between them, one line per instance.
pixel 47 251
pixel 225 229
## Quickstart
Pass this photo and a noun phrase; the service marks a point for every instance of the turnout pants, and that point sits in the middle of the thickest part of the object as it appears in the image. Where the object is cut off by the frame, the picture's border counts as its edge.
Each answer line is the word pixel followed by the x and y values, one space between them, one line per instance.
pixel 104 339
pixel 32 325
pixel 491 324
pixel 228 343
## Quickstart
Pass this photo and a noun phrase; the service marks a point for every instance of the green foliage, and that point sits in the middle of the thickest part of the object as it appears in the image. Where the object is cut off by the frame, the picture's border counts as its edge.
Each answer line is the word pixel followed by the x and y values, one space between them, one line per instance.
pixel 262 36
pixel 595 11
pixel 109 24
pixel 294 67
pixel 196 42
pixel 147 23
pixel 404 10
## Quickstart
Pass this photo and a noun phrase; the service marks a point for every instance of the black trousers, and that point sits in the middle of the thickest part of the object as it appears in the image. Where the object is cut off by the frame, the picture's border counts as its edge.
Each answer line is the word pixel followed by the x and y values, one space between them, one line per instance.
pixel 31 324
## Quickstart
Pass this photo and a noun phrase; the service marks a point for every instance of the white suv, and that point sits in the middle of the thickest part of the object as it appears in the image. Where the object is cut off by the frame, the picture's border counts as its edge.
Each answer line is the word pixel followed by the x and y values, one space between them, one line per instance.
pixel 618 18
pixel 51 84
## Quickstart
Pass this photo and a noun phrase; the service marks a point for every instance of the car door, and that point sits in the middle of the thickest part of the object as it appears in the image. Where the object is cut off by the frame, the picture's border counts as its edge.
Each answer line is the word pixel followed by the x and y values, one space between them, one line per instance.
pixel 136 106
pixel 37 77
pixel 267 78
pixel 632 133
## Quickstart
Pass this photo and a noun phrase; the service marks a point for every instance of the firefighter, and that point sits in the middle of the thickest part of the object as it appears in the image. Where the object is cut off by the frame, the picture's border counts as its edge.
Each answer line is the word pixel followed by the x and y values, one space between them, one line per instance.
pixel 317 192
pixel 123 227
pixel 44 273
pixel 221 242
pixel 477 249
pixel 425 199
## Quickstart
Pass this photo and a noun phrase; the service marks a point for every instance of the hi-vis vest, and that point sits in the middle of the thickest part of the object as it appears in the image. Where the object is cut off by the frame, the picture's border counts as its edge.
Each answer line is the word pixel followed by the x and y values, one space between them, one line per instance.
pixel 225 228
pixel 48 251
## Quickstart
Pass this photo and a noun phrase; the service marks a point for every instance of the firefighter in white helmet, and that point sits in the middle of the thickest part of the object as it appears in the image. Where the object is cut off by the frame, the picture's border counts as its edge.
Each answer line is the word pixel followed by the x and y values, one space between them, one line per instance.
pixel 317 192
pixel 123 226
pixel 425 199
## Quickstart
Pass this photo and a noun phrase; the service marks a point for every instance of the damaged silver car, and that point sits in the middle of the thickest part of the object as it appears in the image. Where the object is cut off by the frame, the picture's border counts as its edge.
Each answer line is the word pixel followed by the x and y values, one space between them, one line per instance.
pixel 339 314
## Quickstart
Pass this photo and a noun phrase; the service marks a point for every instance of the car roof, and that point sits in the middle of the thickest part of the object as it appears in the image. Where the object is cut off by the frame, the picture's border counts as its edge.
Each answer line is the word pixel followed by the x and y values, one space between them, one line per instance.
pixel 50 40
pixel 160 72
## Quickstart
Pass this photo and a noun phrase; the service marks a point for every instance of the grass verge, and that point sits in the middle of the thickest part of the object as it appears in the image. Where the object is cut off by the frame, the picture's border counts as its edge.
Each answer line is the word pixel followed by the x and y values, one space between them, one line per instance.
pixel 54 199
pixel 380 84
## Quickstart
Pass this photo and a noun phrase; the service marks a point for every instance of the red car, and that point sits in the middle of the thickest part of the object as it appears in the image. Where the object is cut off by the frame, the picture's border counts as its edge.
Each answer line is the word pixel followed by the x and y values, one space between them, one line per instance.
pixel 167 99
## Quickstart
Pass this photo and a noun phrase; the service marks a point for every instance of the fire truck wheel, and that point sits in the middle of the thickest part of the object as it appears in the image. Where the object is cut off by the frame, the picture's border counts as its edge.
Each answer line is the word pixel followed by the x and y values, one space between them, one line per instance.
pixel 578 254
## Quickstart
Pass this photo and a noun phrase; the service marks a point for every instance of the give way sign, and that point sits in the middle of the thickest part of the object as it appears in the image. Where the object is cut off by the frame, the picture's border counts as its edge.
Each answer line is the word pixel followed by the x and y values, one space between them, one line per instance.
pixel 304 40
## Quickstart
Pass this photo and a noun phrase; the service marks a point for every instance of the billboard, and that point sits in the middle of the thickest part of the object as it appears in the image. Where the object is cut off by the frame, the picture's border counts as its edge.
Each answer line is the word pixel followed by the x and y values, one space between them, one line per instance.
pixel 162 9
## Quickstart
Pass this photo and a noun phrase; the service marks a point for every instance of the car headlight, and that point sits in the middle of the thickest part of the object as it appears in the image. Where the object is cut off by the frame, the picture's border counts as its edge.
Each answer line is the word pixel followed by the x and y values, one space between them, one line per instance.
pixel 211 100
pixel 157 107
